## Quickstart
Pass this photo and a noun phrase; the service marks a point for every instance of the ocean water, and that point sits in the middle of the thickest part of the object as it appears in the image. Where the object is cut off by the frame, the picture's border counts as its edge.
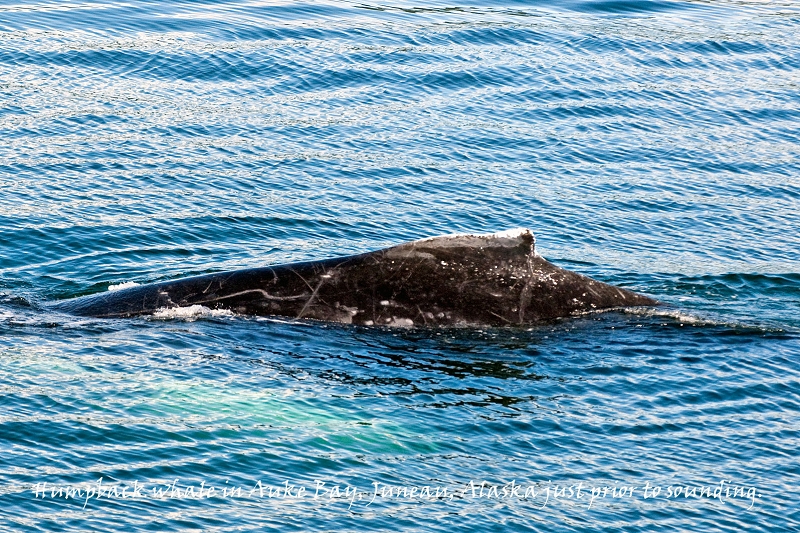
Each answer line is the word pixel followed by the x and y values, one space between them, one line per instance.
pixel 653 144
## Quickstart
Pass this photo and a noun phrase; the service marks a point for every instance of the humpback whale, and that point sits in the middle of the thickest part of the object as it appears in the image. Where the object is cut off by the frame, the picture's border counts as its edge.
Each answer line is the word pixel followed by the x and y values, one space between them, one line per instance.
pixel 481 280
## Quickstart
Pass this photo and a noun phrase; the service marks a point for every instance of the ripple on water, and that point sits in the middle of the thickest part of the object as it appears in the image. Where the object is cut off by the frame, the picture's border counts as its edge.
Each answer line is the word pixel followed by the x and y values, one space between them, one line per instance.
pixel 649 144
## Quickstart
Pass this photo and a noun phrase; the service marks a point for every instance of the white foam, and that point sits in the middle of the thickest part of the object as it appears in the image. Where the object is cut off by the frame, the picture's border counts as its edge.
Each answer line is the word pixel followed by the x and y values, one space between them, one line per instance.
pixel 125 285
pixel 192 311
pixel 675 314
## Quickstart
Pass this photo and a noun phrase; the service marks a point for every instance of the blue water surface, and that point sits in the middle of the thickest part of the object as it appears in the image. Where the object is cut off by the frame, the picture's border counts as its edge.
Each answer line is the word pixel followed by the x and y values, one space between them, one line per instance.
pixel 652 144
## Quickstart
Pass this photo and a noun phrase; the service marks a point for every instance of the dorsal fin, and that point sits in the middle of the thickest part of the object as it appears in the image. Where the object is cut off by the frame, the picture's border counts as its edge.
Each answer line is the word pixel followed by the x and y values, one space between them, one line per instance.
pixel 521 238
pixel 503 239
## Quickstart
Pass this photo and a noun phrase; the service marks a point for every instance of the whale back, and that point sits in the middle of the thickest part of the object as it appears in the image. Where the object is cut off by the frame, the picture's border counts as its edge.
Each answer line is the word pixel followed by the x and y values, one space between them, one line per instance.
pixel 495 279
